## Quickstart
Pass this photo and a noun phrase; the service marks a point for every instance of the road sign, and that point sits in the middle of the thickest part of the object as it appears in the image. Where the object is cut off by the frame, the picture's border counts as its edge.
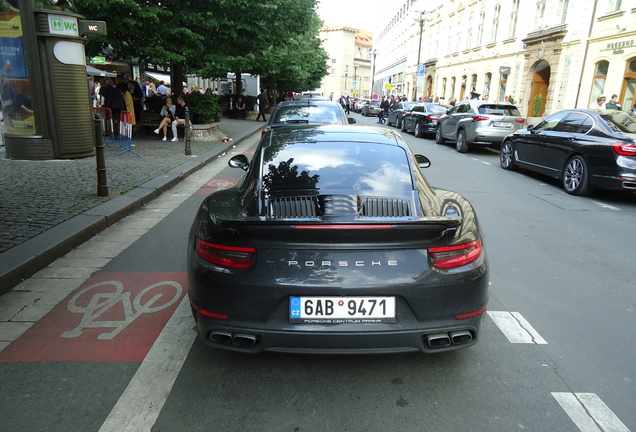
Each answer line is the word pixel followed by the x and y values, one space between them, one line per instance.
pixel 421 69
pixel 354 86
pixel 388 86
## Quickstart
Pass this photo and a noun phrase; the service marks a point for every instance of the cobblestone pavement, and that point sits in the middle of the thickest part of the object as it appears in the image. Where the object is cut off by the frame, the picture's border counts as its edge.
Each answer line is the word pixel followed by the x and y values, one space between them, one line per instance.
pixel 38 195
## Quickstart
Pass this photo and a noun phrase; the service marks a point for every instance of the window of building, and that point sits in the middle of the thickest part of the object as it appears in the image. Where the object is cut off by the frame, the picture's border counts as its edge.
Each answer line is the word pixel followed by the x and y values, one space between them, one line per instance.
pixel 495 23
pixel 487 86
pixel 469 32
pixel 473 84
pixel 540 14
pixel 563 10
pixel 333 71
pixel 333 61
pixel 600 76
pixel 452 93
pixel 629 84
pixel 614 5
pixel 503 81
pixel 444 88
pixel 480 27
pixel 512 30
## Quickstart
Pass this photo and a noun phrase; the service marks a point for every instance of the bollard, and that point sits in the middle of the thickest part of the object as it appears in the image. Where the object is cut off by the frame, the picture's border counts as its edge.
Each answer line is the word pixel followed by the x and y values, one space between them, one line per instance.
pixel 102 182
pixel 188 149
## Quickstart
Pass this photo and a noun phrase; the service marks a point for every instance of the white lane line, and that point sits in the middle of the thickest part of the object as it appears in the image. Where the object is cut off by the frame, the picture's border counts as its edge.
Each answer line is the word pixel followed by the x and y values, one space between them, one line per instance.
pixel 589 413
pixel 479 160
pixel 516 328
pixel 139 406
pixel 606 206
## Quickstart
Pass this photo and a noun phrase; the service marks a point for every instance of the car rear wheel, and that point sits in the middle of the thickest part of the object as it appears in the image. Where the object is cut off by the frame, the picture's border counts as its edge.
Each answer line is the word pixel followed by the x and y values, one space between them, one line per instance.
pixel 439 139
pixel 418 130
pixel 402 127
pixel 462 145
pixel 507 156
pixel 398 123
pixel 388 120
pixel 576 177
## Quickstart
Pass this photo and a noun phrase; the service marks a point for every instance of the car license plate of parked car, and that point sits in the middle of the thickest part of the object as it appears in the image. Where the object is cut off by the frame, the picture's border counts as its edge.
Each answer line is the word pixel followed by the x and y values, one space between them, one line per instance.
pixel 342 310
pixel 502 124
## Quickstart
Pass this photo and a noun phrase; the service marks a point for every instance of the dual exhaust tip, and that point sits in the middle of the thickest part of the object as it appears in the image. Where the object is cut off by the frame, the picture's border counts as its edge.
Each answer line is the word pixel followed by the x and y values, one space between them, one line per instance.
pixel 442 340
pixel 240 340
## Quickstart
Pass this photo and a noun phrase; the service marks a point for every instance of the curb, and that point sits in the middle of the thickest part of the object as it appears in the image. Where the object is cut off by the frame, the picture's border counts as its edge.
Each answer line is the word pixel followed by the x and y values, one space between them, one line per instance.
pixel 20 262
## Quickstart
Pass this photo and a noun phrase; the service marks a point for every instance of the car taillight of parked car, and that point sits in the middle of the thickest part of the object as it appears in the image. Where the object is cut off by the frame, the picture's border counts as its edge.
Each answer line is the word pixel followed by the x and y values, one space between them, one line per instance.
pixel 520 120
pixel 432 117
pixel 480 118
pixel 225 256
pixel 446 257
pixel 624 149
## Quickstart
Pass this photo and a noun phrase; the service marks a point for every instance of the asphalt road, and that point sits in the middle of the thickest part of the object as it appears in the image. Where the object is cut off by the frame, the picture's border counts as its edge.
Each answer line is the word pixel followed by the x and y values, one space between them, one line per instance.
pixel 556 354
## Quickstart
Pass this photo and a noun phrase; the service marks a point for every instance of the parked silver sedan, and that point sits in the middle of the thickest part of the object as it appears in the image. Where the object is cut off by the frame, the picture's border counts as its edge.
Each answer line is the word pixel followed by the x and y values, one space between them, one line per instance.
pixel 477 122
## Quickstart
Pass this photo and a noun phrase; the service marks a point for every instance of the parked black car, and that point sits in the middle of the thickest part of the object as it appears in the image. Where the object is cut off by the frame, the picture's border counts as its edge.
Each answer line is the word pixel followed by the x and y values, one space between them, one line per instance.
pixel 398 112
pixel 584 149
pixel 422 119
pixel 371 108
pixel 334 242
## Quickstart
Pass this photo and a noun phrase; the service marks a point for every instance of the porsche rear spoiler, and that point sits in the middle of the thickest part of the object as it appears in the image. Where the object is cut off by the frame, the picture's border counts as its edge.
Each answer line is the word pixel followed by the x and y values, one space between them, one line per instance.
pixel 421 232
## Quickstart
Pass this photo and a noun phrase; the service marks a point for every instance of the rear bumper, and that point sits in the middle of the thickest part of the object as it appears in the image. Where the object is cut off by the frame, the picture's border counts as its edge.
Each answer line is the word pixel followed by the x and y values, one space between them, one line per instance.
pixel 336 339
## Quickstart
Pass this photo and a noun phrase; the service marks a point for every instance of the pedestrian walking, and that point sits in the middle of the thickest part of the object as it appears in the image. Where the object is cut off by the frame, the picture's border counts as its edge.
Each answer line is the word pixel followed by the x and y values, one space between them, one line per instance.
pixel 261 99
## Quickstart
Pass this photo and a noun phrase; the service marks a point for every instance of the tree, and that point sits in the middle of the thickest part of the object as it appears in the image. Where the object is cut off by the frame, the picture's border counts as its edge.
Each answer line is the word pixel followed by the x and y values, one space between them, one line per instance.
pixel 276 39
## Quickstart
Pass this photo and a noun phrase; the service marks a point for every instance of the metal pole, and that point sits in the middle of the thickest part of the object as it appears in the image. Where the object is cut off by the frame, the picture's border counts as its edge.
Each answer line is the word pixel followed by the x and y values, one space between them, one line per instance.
pixel 102 182
pixel 419 51
pixel 188 149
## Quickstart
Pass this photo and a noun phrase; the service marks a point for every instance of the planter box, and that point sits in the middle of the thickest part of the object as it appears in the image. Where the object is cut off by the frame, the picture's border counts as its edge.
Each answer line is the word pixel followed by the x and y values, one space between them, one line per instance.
pixel 206 132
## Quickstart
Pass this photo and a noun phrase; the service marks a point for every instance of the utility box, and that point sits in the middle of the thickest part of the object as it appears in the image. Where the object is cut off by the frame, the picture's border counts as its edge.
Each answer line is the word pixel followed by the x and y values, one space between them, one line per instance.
pixel 44 72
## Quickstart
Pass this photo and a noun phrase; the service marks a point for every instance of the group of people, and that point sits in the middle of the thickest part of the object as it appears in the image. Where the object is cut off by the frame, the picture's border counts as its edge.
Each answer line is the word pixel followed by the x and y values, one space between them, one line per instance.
pixel 122 94
pixel 173 116
pixel 237 108
pixel 601 103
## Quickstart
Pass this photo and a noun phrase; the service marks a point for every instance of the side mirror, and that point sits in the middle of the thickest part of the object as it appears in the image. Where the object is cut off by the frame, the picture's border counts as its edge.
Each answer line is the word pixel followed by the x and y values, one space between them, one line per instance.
pixel 422 161
pixel 351 120
pixel 529 128
pixel 239 161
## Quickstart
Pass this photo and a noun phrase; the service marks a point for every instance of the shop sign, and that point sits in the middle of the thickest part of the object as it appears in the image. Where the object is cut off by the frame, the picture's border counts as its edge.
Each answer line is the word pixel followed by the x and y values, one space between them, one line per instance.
pixel 617 47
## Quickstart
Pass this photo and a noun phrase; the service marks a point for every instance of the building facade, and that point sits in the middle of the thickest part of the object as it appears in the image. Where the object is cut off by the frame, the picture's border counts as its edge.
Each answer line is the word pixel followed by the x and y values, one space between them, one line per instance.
pixel 349 64
pixel 543 55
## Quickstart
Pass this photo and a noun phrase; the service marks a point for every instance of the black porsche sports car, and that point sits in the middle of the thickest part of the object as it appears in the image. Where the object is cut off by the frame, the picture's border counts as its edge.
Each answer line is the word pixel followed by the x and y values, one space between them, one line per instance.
pixel 334 242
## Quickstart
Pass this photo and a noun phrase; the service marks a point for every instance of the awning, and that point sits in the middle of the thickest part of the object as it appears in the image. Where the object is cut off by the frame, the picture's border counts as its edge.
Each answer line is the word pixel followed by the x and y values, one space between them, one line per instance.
pixel 159 76
pixel 98 72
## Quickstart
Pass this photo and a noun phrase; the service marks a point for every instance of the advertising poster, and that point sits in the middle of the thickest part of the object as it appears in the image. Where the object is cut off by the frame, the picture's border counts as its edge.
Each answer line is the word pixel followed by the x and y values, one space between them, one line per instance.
pixel 15 88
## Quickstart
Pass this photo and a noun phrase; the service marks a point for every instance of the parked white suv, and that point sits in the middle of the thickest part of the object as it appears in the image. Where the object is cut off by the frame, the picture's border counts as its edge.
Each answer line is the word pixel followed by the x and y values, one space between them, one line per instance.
pixel 477 122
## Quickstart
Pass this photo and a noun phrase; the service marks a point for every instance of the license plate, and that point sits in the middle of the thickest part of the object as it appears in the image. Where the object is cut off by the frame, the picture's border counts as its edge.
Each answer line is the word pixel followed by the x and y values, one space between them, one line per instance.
pixel 502 124
pixel 342 310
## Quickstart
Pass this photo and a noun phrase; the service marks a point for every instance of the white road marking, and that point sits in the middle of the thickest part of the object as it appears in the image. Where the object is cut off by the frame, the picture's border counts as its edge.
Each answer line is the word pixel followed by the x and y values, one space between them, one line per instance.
pixel 139 406
pixel 516 328
pixel 589 413
pixel 606 206
pixel 479 160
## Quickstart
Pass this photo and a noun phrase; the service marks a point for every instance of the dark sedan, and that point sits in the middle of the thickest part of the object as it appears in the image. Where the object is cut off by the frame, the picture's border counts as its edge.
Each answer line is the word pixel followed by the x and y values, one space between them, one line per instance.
pixel 422 119
pixel 334 242
pixel 371 108
pixel 397 113
pixel 306 111
pixel 582 148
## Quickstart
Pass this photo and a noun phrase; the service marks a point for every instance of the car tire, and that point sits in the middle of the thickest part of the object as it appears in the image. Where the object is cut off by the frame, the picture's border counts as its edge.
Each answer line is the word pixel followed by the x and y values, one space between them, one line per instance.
pixel 439 139
pixel 398 123
pixel 507 156
pixel 576 176
pixel 461 145
pixel 403 127
pixel 388 120
pixel 417 130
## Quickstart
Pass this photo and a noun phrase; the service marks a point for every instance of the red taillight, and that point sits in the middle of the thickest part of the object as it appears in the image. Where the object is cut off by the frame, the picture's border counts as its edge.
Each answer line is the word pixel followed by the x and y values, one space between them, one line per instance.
pixel 346 227
pixel 471 314
pixel 455 256
pixel 225 256
pixel 624 149
pixel 520 120
pixel 207 313
pixel 432 117
pixel 478 118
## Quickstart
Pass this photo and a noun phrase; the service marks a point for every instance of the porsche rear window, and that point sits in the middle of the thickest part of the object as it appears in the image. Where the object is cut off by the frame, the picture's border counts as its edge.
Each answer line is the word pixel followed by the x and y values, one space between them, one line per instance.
pixel 345 166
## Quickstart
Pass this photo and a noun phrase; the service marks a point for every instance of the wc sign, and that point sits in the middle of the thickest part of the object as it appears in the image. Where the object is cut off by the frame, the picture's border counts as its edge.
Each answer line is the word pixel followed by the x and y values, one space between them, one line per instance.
pixel 63 25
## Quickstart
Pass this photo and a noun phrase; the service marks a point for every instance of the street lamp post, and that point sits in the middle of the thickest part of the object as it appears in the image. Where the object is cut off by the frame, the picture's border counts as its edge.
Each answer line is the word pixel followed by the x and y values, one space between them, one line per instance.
pixel 346 73
pixel 419 18
pixel 375 53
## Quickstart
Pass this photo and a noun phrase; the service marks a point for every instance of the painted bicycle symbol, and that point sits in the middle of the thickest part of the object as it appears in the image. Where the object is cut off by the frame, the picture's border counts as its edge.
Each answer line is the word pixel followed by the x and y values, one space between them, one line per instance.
pixel 220 184
pixel 100 301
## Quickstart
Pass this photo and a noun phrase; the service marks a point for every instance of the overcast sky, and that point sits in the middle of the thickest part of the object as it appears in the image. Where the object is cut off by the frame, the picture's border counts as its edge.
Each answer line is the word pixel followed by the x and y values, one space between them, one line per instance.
pixel 360 14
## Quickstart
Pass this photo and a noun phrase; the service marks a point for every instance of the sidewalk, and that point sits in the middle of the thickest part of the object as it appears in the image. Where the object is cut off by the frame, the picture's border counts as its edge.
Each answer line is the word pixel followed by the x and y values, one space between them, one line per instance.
pixel 49 207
